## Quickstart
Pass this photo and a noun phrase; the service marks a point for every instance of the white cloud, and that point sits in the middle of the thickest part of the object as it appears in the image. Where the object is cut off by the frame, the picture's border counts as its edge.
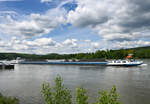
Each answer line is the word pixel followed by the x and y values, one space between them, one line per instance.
pixel 39 46
pixel 48 45
pixel 45 45
pixel 35 24
pixel 70 42
pixel 95 45
pixel 131 44
pixel 87 40
pixel 7 12
pixel 46 1
pixel 45 41
pixel 116 20
pixel 89 13
pixel 40 42
pixel 121 37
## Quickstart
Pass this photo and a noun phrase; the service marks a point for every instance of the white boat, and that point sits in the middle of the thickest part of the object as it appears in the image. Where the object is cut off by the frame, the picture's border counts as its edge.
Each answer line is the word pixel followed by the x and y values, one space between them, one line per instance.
pixel 124 63
pixel 17 61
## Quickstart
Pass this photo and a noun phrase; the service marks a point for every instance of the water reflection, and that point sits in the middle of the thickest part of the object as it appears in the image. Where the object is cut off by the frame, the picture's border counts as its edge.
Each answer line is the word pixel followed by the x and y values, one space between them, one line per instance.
pixel 92 67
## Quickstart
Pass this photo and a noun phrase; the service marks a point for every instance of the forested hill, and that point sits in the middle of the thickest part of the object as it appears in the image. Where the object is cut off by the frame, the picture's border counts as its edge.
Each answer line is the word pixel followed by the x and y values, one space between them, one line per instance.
pixel 140 52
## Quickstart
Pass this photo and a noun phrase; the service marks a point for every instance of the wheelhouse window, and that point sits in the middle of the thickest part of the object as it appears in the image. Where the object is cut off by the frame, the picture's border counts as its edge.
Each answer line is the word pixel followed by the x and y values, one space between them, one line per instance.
pixel 124 61
pixel 118 61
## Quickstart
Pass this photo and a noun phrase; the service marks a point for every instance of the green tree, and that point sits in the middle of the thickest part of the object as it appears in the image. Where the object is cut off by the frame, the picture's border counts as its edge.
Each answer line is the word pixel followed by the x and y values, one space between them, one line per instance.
pixel 47 93
pixel 59 94
pixel 108 97
pixel 81 97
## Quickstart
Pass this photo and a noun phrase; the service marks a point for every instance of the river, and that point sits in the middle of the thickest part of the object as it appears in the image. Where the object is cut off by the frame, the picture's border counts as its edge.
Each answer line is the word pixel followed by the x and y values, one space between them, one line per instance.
pixel 25 81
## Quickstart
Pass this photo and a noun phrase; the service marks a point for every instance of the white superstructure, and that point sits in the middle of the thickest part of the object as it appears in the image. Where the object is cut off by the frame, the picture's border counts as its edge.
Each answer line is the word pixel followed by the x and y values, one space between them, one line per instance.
pixel 124 63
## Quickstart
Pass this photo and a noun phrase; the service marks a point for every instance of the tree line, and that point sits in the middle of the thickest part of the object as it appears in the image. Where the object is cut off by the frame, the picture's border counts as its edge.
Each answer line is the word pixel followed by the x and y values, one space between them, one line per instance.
pixel 141 52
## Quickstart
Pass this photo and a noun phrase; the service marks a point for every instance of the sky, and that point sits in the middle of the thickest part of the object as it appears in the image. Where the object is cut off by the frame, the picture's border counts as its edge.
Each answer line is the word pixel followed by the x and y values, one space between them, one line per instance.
pixel 73 26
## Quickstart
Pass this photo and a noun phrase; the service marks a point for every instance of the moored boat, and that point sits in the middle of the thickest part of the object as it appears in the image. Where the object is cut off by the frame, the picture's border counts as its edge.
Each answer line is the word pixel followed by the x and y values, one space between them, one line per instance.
pixel 6 65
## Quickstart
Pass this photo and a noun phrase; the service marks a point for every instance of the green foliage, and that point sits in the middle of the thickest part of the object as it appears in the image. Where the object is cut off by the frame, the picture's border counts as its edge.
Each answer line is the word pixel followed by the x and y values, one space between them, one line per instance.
pixel 81 97
pixel 47 93
pixel 61 95
pixel 8 100
pixel 108 97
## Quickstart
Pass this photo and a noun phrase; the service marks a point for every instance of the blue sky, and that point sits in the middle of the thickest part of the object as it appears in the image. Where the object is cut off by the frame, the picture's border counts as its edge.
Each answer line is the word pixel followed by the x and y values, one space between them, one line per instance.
pixel 27 6
pixel 72 26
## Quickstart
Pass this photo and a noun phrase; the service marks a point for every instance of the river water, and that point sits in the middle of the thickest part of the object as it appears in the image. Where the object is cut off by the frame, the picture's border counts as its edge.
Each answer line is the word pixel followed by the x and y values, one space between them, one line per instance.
pixel 25 81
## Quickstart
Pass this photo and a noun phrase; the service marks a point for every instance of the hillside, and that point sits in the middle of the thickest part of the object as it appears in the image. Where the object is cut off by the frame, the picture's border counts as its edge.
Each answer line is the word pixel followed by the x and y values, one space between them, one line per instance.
pixel 139 52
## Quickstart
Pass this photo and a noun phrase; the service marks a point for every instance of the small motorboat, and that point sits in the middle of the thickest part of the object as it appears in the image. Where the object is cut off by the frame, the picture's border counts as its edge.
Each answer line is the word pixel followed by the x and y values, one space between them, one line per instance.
pixel 124 63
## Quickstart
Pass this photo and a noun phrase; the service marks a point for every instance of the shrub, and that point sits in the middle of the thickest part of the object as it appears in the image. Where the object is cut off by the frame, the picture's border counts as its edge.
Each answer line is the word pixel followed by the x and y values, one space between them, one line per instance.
pixel 8 100
pixel 81 97
pixel 61 95
pixel 110 97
